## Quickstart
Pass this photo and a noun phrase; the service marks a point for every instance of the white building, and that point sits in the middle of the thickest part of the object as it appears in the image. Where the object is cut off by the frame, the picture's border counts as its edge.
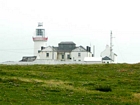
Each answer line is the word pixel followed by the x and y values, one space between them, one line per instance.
pixel 108 56
pixel 93 60
pixel 79 53
pixel 39 39
pixel 66 51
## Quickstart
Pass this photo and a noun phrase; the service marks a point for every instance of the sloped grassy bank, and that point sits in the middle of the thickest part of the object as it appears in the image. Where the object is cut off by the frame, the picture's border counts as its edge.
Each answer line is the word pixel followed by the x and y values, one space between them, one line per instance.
pixel 116 84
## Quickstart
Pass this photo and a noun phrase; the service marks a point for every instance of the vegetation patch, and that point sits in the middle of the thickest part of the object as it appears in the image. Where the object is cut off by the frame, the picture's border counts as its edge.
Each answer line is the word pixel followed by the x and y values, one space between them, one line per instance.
pixel 103 88
pixel 98 84
pixel 137 95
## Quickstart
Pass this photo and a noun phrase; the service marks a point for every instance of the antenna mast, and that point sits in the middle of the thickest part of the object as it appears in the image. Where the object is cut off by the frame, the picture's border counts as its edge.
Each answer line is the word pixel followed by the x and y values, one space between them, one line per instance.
pixel 111 49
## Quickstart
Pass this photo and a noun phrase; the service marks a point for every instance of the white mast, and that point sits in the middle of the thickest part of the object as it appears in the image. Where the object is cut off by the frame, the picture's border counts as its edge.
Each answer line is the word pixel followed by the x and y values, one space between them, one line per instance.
pixel 111 45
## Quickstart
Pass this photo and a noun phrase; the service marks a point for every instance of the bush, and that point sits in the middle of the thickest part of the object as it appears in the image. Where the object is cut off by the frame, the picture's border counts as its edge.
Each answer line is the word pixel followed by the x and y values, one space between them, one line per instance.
pixel 103 88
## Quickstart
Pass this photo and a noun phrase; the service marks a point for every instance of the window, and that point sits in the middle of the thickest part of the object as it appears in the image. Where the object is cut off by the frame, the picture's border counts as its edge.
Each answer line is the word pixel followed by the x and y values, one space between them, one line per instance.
pixel 62 56
pixel 40 32
pixel 79 54
pixel 47 54
pixel 68 56
pixel 39 51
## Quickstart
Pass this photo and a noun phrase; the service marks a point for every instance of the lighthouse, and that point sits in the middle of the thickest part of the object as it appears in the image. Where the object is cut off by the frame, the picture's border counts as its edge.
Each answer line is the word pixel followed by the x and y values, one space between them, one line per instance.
pixel 39 39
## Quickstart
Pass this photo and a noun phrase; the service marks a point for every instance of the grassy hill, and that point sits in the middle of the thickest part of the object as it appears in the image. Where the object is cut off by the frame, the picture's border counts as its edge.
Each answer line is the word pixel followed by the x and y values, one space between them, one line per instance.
pixel 103 84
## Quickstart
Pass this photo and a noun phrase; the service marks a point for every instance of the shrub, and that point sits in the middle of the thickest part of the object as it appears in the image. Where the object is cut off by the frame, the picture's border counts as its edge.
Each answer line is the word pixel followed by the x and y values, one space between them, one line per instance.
pixel 103 88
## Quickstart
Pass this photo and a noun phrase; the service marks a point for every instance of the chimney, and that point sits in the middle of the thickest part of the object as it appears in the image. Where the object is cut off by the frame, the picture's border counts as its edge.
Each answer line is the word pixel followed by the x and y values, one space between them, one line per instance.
pixel 87 49
pixel 42 47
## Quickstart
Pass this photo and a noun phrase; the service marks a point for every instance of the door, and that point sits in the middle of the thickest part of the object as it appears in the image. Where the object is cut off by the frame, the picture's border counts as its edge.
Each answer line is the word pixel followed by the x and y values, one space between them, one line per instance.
pixel 62 56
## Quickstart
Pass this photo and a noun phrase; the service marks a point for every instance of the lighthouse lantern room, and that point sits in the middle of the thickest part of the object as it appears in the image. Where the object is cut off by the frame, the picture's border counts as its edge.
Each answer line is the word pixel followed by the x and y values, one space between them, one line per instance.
pixel 39 39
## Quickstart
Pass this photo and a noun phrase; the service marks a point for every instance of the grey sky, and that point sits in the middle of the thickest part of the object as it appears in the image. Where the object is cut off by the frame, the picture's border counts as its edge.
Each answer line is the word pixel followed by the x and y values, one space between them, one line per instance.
pixel 85 22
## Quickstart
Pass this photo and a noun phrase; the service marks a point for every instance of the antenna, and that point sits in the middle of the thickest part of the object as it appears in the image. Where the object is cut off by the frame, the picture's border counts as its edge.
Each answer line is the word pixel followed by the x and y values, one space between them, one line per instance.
pixel 111 45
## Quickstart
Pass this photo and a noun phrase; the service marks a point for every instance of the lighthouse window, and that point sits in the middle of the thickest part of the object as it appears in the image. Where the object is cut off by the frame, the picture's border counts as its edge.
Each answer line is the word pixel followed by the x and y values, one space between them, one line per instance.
pixel 39 32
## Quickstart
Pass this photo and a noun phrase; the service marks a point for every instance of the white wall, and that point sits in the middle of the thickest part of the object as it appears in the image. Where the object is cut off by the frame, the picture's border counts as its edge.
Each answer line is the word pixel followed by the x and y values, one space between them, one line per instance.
pixel 37 46
pixel 115 59
pixel 58 55
pixel 82 51
pixel 74 56
pixel 52 55
pixel 65 55
pixel 106 52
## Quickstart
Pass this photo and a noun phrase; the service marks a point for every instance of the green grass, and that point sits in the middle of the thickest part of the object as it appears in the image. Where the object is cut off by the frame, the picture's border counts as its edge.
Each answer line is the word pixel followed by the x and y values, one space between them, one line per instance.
pixel 103 84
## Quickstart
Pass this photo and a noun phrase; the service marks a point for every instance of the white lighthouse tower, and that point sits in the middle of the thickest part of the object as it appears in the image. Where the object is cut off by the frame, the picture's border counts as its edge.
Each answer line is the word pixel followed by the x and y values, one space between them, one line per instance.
pixel 39 39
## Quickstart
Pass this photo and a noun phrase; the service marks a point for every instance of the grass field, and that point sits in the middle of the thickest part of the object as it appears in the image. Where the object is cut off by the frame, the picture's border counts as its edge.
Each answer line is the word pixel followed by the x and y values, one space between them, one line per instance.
pixel 103 84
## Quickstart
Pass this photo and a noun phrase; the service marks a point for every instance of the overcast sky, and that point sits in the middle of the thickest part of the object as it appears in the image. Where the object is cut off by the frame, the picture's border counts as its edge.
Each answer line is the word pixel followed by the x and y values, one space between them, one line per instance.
pixel 85 22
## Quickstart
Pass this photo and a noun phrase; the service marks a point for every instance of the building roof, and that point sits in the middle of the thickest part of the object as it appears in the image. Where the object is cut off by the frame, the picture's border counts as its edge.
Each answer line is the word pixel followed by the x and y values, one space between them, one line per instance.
pixel 28 58
pixel 67 46
pixel 106 58
pixel 55 48
pixel 63 50
pixel 83 48
pixel 80 48
pixel 67 42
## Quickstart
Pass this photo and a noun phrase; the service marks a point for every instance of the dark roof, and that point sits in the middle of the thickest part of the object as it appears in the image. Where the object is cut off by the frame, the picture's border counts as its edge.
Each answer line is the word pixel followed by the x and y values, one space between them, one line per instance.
pixel 28 58
pixel 67 42
pixel 83 48
pixel 106 58
pixel 66 46
pixel 55 48
pixel 62 49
